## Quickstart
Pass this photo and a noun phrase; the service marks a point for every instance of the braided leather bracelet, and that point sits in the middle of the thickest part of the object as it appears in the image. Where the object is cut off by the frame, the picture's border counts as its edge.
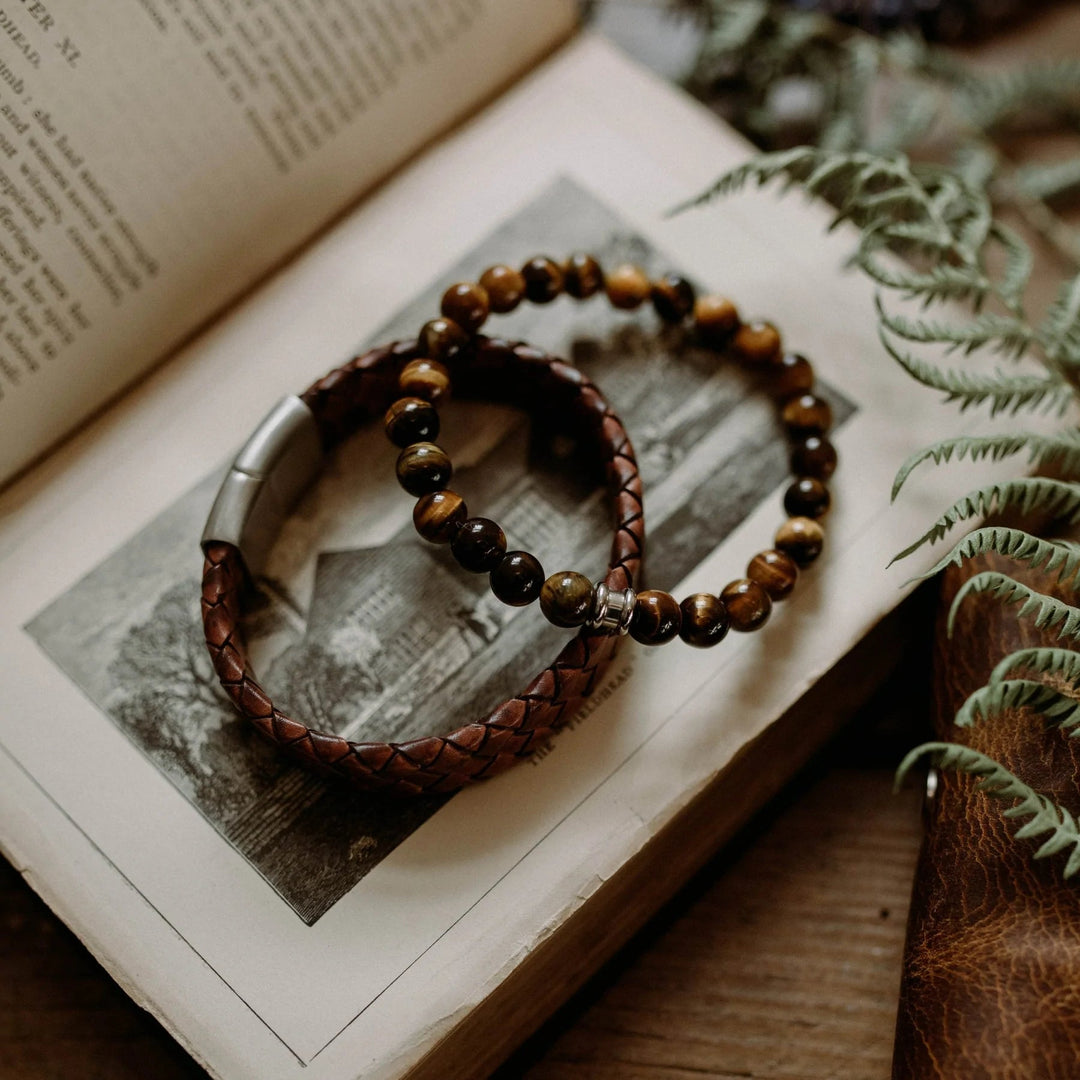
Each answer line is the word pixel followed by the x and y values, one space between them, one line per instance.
pixel 568 598
pixel 280 461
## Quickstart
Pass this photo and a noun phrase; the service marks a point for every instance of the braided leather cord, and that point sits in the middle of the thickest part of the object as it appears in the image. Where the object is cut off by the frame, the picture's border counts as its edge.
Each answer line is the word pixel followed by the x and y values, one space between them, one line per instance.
pixel 361 390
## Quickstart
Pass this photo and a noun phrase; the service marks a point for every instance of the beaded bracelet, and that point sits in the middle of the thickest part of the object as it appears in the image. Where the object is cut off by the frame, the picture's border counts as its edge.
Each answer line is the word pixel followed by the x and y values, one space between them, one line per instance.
pixel 568 598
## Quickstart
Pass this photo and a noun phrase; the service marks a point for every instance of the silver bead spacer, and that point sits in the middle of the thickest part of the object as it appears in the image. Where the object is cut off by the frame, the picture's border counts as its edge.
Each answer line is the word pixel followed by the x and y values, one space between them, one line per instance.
pixel 611 610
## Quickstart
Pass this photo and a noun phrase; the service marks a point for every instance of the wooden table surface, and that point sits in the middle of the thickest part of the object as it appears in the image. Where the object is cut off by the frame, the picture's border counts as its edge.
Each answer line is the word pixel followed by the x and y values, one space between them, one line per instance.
pixel 780 960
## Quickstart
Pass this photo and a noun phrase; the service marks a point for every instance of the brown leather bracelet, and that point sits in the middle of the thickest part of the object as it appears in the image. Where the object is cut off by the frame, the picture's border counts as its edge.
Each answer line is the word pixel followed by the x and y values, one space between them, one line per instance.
pixel 495 370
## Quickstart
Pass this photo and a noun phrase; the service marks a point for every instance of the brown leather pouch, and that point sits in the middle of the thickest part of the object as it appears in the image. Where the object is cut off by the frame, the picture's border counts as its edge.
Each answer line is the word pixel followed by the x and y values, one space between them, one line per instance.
pixel 991 981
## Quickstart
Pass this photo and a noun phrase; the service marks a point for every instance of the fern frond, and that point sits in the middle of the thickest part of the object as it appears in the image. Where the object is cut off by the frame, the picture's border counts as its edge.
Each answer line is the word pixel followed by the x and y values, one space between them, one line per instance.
pixel 1017 270
pixel 1003 333
pixel 992 100
pixel 1050 613
pixel 995 698
pixel 796 164
pixel 931 286
pixel 1005 393
pixel 1040 660
pixel 1048 555
pixel 1049 181
pixel 1060 330
pixel 997 782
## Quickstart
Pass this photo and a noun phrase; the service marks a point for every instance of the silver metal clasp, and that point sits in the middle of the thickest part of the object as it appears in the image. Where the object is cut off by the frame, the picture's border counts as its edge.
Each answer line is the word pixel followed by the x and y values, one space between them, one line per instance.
pixel 273 469
pixel 611 609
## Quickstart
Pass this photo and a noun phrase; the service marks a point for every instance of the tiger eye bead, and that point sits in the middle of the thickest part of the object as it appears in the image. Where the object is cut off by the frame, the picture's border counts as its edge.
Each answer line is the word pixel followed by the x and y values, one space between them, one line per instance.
pixel 791 374
pixel 814 456
pixel 566 598
pixel 439 515
pixel 442 339
pixel 479 545
pixel 775 572
pixel 807 415
pixel 757 342
pixel 517 579
pixel 807 497
pixel 802 538
pixel 582 276
pixel 423 467
pixel 715 318
pixel 627 287
pixel 505 287
pixel 748 604
pixel 410 420
pixel 673 298
pixel 543 279
pixel 424 378
pixel 656 618
pixel 466 304
pixel 705 620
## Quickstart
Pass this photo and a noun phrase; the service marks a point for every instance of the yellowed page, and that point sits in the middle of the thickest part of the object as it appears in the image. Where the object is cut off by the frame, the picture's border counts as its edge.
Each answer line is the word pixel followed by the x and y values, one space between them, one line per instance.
pixel 158 156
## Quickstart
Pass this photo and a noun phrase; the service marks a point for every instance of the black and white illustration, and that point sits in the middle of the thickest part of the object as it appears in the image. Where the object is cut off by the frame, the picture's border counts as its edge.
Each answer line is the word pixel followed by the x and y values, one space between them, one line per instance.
pixel 363 629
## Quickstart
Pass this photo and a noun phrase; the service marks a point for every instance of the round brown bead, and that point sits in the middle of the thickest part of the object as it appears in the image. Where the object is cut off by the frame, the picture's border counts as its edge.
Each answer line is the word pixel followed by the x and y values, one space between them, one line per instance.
pixel 423 467
pixel 466 304
pixel 479 545
pixel 775 572
pixel 566 598
pixel 814 456
pixel 517 579
pixel 504 286
pixel 705 620
pixel 716 318
pixel 792 374
pixel 656 618
pixel 757 342
pixel 423 378
pixel 410 420
pixel 442 339
pixel 439 515
pixel 807 415
pixel 673 298
pixel 627 287
pixel 543 279
pixel 582 276
pixel 802 538
pixel 807 497
pixel 748 604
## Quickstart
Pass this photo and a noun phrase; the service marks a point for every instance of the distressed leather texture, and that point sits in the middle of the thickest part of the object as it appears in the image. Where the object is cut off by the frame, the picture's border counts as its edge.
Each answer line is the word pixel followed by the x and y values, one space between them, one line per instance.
pixel 991 981
pixel 495 370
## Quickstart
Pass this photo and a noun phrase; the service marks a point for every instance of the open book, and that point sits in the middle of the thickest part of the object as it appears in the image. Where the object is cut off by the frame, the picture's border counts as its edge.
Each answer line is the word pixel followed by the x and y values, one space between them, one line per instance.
pixel 157 159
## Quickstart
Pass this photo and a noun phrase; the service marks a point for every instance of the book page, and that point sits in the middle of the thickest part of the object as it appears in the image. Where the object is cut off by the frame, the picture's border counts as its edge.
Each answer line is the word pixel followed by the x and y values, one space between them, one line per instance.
pixel 158 156
pixel 281 926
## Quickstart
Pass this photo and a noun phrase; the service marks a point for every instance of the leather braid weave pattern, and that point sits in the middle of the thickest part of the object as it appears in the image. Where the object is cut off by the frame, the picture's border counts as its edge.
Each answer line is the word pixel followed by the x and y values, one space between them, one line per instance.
pixel 361 390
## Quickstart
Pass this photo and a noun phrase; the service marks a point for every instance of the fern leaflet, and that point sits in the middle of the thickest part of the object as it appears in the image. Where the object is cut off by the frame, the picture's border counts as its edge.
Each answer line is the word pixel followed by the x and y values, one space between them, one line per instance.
pixel 1050 613
pixel 1039 697
pixel 1049 555
pixel 1042 660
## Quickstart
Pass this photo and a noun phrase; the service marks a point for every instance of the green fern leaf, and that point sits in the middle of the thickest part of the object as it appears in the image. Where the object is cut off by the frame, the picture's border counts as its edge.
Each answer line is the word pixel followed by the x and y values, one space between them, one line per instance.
pixel 995 698
pixel 797 164
pixel 1050 613
pixel 1060 556
pixel 1060 330
pixel 1049 181
pixel 997 782
pixel 940 283
pixel 1018 264
pixel 1003 333
pixel 1042 660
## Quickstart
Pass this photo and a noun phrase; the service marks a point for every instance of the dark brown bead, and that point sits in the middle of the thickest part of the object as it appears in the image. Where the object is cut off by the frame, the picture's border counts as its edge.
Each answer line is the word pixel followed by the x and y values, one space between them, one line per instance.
pixel 543 279
pixel 802 538
pixel 582 276
pixel 410 420
pixel 716 318
pixel 704 620
pixel 442 339
pixel 814 456
pixel 517 579
pixel 439 515
pixel 627 287
pixel 566 598
pixel 775 572
pixel 791 374
pixel 807 497
pixel 748 604
pixel 505 287
pixel 424 378
pixel 466 304
pixel 479 545
pixel 807 415
pixel 656 618
pixel 423 467
pixel 673 298
pixel 757 342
